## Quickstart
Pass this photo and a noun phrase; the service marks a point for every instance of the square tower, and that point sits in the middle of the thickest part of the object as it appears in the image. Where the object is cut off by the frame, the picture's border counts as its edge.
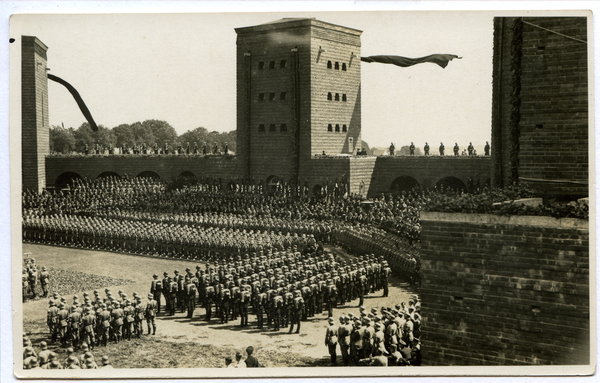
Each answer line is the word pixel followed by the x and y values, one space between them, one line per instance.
pixel 35 130
pixel 298 94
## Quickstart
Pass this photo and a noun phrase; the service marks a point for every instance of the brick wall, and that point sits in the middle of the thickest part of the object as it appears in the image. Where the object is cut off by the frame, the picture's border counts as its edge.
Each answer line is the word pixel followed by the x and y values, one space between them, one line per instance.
pixel 35 131
pixel 166 167
pixel 427 171
pixel 504 290
pixel 552 97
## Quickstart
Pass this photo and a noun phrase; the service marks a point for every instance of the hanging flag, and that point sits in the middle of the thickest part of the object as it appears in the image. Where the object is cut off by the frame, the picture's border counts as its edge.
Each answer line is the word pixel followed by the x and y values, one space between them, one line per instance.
pixel 440 59
pixel 78 100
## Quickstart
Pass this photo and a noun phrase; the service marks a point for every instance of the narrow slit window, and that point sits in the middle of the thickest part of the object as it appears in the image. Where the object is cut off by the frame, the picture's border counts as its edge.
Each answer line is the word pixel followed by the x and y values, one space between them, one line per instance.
pixel 329 96
pixel 272 128
pixel 271 96
pixel 261 65
pixel 272 65
pixel 329 128
pixel 282 64
pixel 282 96
pixel 337 97
pixel 261 97
pixel 344 128
pixel 328 64
pixel 283 128
pixel 344 98
pixel 261 128
pixel 344 67
pixel 337 127
pixel 337 65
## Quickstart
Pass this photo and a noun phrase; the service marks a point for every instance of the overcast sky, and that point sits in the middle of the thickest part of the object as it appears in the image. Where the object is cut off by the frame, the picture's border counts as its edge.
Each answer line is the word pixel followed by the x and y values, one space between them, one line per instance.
pixel 181 68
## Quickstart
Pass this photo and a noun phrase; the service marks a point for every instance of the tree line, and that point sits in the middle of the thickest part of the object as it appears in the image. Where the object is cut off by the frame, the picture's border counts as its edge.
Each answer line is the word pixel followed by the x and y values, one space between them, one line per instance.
pixel 150 132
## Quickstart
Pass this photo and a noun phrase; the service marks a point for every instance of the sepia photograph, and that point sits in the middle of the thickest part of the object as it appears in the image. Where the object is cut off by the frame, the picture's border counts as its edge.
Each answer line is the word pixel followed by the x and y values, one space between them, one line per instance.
pixel 302 194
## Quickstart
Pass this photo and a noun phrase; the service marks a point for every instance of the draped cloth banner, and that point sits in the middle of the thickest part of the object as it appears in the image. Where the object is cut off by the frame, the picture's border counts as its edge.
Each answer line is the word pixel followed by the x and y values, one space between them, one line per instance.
pixel 440 59
pixel 78 100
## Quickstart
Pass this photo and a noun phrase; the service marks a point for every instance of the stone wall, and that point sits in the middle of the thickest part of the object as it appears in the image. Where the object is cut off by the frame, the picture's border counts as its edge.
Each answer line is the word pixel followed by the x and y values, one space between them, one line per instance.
pixel 166 167
pixel 504 290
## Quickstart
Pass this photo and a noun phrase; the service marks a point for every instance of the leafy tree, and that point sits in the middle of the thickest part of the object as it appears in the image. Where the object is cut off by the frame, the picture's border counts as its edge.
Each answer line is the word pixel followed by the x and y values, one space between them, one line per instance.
pixel 85 135
pixel 142 134
pixel 162 132
pixel 123 135
pixel 61 140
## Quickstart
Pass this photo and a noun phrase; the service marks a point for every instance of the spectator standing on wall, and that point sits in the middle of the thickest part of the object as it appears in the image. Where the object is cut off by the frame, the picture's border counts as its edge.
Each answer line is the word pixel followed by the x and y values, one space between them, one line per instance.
pixel 392 148
pixel 442 147
pixel 426 149
pixel 487 148
pixel 412 149
pixel 456 149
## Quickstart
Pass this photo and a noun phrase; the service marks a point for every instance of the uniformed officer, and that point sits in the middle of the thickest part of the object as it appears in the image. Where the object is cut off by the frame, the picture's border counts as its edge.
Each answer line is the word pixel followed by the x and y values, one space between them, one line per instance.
pixel 103 325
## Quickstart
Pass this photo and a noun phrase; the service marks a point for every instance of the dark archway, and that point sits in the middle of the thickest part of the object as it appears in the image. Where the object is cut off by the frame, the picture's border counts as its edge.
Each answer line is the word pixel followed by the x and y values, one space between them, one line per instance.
pixel 148 174
pixel 64 180
pixel 272 184
pixel 107 175
pixel 187 174
pixel 404 184
pixel 451 183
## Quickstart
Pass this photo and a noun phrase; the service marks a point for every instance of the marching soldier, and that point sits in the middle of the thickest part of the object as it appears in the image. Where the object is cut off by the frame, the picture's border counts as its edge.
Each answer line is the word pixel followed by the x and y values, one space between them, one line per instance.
pixel 245 302
pixel 297 313
pixel 190 289
pixel 139 312
pixel 156 290
pixel 166 293
pixel 117 315
pixel 150 313
pixel 52 320
pixel 63 322
pixel 75 322
pixel 208 301
pixel 331 340
pixel 344 331
pixel 104 325
pixel 88 323
pixel 44 281
pixel 173 288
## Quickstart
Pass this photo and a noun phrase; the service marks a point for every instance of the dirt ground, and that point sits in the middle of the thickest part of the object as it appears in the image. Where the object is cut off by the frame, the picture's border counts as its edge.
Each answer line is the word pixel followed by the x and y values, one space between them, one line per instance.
pixel 309 343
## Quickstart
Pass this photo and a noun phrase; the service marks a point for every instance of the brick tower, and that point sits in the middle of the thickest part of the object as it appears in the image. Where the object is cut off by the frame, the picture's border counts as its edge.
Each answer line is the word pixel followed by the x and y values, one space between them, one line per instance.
pixel 35 131
pixel 298 95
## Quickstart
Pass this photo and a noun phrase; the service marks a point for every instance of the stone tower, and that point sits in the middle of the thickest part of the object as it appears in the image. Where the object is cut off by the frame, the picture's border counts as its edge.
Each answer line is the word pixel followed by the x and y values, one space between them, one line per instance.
pixel 35 131
pixel 298 95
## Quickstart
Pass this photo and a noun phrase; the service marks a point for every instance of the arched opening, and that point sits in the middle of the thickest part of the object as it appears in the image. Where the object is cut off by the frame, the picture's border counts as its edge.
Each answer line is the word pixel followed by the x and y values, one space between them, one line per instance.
pixel 404 184
pixel 318 191
pixel 272 184
pixel 65 180
pixel 451 183
pixel 108 175
pixel 187 174
pixel 148 174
